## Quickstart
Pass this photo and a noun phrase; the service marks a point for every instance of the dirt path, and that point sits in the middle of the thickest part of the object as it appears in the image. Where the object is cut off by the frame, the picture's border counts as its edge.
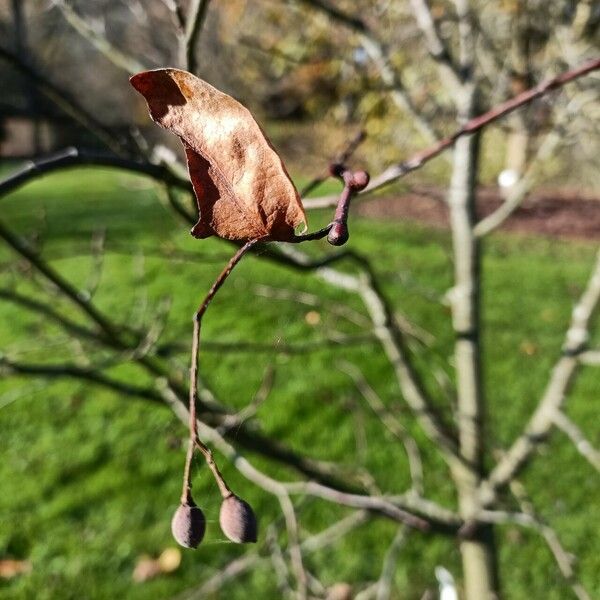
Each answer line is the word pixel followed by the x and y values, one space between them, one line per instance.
pixel 556 213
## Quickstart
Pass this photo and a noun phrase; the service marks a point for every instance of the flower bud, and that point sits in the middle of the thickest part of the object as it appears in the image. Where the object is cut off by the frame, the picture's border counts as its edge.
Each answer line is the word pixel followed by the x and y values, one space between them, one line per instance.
pixel 237 520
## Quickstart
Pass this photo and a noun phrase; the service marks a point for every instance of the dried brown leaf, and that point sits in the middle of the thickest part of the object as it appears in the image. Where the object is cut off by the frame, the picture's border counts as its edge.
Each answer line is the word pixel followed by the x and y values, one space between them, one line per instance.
pixel 242 187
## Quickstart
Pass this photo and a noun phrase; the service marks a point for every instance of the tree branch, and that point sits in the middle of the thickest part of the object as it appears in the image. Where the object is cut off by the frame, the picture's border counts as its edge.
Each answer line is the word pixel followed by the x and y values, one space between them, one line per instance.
pixel 436 46
pixel 68 105
pixel 76 157
pixel 581 443
pixel 193 27
pixel 419 159
pixel 127 63
pixel 561 379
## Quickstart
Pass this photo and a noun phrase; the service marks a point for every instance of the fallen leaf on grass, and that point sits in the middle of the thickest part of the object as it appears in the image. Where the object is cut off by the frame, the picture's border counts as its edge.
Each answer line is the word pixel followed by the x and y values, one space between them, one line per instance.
pixel 148 568
pixel 10 568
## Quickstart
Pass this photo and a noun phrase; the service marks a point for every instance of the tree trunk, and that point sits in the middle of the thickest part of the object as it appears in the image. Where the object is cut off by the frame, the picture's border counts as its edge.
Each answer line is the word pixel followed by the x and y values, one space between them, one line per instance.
pixel 478 551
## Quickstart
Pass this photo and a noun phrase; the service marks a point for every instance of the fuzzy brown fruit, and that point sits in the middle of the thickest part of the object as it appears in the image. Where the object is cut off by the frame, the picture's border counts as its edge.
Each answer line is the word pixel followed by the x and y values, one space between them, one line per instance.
pixel 237 520
pixel 188 525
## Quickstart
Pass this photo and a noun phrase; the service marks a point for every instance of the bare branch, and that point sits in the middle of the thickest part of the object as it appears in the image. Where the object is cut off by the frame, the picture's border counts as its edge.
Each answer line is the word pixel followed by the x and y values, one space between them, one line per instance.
pixel 241 565
pixel 127 63
pixel 466 37
pixel 412 390
pixel 20 246
pixel 384 585
pixel 68 105
pixel 436 46
pixel 521 189
pixel 564 560
pixel 193 26
pixel 334 13
pixel 562 376
pixel 581 443
pixel 398 91
pixel 93 375
pixel 48 311
pixel 341 158
pixel 432 516
pixel 75 157
pixel 396 172
pixel 391 423
pixel 378 54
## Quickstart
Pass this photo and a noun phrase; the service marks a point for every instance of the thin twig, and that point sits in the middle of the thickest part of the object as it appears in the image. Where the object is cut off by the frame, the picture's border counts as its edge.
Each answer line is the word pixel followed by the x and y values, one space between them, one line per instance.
pixel 395 172
pixel 193 27
pixel 117 57
pixel 66 103
pixel 581 443
pixel 193 422
pixel 390 422
pixel 77 157
pixel 341 159
pixel 384 584
pixel 561 378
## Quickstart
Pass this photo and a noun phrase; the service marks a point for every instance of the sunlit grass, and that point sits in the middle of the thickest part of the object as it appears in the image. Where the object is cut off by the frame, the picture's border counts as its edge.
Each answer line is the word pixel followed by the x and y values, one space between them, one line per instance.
pixel 89 479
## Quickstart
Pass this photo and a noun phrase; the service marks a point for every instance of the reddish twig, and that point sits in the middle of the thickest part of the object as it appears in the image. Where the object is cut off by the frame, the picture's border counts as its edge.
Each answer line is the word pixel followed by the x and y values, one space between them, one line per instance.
pixel 418 160
pixel 337 231
pixel 342 158
pixel 193 424
pixel 353 183
pixel 474 125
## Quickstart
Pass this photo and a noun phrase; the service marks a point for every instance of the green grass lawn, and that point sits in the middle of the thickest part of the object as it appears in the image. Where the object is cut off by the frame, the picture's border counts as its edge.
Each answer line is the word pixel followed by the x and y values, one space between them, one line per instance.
pixel 89 479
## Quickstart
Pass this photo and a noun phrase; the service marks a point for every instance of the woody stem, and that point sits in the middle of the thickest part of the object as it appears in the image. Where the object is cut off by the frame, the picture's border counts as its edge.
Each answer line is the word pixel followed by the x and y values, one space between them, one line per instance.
pixel 193 427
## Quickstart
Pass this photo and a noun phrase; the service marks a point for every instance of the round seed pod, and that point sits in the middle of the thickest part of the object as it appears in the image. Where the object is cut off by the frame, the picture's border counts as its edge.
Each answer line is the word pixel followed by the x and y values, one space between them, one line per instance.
pixel 188 525
pixel 237 520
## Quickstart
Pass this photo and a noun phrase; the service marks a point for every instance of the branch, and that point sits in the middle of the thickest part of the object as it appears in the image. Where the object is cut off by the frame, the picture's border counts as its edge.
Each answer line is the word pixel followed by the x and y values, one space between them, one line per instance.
pixel 8 367
pixel 581 443
pixel 241 565
pixel 388 571
pixel 521 189
pixel 432 517
pixel 466 38
pixel 193 27
pixel 340 159
pixel 563 559
pixel 396 172
pixel 412 389
pixel 19 245
pixel 75 157
pixel 378 54
pixel 391 423
pixel 529 518
pixel 164 373
pixel 68 105
pixel 350 21
pixel 47 311
pixel 127 63
pixel 561 379
pixel 435 45
pixel 393 80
